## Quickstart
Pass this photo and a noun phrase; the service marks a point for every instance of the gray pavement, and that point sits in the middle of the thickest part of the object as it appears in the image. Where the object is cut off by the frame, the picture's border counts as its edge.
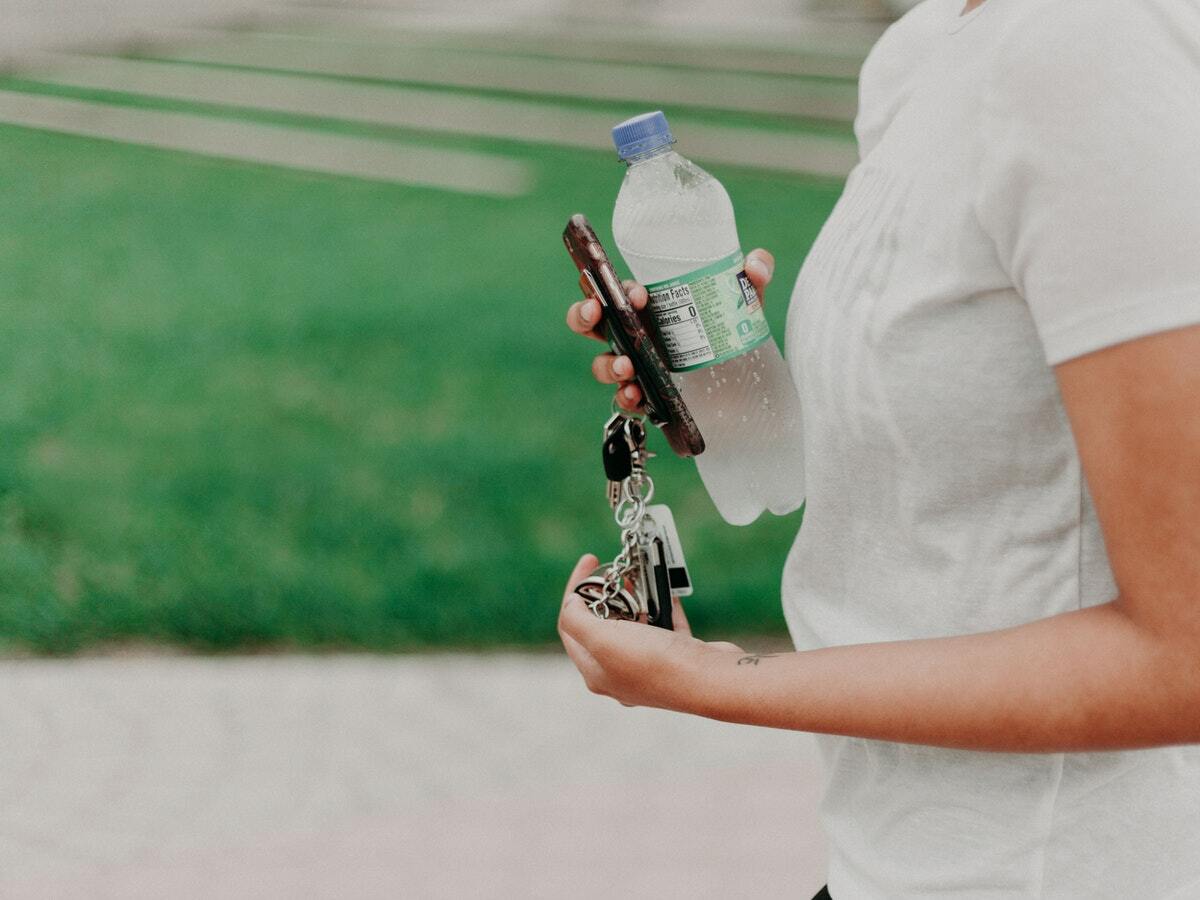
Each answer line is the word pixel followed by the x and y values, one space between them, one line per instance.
pixel 359 776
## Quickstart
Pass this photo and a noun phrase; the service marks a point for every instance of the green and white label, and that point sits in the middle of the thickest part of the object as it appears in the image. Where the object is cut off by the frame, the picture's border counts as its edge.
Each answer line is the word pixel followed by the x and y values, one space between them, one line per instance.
pixel 708 316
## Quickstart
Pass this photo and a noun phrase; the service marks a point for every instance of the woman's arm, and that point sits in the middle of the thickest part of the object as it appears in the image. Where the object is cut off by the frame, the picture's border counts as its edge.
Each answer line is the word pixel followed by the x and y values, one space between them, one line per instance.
pixel 1122 674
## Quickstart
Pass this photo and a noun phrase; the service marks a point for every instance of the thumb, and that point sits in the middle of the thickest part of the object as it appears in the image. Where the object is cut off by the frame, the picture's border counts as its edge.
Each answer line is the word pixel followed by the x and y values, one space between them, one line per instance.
pixel 586 564
pixel 679 617
pixel 760 269
pixel 726 645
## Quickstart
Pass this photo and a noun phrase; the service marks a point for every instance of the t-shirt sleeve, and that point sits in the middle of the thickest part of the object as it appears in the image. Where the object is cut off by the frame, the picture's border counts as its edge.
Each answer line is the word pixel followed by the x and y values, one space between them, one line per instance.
pixel 1090 178
pixel 885 82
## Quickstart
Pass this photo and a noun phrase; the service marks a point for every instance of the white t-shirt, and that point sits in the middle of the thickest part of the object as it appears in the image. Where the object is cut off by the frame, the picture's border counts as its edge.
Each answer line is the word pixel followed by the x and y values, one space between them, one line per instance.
pixel 1028 191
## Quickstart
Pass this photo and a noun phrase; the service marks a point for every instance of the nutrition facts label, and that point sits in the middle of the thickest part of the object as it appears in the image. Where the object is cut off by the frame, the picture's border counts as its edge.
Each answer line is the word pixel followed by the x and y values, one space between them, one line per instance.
pixel 707 316
pixel 679 326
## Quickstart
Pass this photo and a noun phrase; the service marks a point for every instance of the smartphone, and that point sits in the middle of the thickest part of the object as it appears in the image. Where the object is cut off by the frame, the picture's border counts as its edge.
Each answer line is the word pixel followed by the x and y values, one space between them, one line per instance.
pixel 628 336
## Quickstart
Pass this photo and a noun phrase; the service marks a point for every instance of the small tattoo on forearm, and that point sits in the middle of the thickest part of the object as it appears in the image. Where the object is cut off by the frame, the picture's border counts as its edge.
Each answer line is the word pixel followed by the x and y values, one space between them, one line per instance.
pixel 753 659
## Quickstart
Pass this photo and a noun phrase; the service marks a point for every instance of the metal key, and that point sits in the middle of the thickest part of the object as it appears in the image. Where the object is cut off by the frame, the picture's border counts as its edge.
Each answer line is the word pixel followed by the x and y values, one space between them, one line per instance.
pixel 630 586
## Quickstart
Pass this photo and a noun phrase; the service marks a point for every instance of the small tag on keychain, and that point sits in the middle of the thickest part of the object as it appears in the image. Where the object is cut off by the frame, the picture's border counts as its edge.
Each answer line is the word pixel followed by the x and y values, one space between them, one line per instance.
pixel 660 523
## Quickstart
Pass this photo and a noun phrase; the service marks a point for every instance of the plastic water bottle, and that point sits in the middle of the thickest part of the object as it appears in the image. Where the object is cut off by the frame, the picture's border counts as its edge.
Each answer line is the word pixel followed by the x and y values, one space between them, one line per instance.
pixel 674 226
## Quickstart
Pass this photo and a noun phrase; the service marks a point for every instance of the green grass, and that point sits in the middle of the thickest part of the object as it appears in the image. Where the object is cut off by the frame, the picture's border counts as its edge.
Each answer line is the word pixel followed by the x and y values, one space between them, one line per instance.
pixel 244 407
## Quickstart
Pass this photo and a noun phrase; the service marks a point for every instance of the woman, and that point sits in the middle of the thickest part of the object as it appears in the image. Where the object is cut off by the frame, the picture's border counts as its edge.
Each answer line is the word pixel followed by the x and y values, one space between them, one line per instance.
pixel 1001 657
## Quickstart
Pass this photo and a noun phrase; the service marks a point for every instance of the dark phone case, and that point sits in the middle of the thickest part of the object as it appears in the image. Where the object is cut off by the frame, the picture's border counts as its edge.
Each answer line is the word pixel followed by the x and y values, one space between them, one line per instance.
pixel 629 337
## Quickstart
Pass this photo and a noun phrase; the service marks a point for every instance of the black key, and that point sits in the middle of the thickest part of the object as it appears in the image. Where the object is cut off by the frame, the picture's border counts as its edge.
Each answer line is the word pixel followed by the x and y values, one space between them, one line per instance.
pixel 635 431
pixel 618 457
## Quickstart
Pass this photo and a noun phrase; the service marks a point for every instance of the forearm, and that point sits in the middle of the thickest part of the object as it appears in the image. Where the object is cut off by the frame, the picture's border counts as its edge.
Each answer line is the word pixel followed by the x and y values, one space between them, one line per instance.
pixel 1085 680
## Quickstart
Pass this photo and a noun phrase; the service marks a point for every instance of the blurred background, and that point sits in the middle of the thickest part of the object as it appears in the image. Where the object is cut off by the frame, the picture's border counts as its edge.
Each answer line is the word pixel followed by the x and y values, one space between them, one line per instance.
pixel 283 374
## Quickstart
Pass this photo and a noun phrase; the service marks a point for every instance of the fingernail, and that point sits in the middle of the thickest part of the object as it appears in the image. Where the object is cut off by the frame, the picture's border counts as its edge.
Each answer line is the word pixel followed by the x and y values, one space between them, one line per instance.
pixel 759 267
pixel 629 392
pixel 622 367
pixel 585 313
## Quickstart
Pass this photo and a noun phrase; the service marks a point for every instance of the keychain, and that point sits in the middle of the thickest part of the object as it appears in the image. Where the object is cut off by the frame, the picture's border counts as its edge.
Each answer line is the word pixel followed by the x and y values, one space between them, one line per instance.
pixel 638 584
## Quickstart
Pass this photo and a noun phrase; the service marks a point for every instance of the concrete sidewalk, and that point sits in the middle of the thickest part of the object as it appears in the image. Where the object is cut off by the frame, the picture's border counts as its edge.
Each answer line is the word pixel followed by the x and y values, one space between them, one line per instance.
pixel 359 776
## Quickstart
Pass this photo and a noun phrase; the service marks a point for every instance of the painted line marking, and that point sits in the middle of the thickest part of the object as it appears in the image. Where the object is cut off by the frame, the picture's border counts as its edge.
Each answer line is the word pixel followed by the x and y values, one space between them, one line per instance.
pixel 771 94
pixel 841 36
pixel 440 111
pixel 294 148
pixel 568 44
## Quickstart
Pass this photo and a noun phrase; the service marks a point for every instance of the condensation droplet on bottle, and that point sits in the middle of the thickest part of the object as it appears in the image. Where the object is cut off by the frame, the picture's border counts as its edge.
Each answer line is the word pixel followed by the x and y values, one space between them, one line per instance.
pixel 678 225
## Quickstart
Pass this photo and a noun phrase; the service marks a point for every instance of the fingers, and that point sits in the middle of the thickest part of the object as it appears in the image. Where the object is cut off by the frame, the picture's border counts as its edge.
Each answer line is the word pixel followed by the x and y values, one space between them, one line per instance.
pixel 585 565
pixel 608 368
pixel 592 672
pixel 629 398
pixel 573 616
pixel 679 617
pixel 760 269
pixel 583 317
pixel 584 661
pixel 636 293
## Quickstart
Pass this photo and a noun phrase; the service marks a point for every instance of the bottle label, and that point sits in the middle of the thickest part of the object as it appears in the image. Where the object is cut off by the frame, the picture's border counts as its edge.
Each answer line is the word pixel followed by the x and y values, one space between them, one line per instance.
pixel 708 316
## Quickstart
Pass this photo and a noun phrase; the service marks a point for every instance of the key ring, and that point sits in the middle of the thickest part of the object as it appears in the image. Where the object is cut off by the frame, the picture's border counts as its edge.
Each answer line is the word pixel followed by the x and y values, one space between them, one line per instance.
pixel 618 410
pixel 637 490
pixel 629 512
pixel 619 590
pixel 638 481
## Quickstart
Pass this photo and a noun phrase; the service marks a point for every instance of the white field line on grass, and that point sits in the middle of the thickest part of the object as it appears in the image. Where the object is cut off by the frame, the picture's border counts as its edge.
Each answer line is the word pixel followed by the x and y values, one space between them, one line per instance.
pixel 294 148
pixel 772 94
pixel 572 44
pixel 440 111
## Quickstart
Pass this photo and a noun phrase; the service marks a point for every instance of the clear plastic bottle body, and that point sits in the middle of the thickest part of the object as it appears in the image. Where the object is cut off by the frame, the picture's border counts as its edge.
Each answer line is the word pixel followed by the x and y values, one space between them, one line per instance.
pixel 672 218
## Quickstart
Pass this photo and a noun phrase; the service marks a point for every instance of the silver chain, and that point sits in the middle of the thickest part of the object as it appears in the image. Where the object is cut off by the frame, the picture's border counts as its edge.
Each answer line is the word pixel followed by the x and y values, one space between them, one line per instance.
pixel 636 492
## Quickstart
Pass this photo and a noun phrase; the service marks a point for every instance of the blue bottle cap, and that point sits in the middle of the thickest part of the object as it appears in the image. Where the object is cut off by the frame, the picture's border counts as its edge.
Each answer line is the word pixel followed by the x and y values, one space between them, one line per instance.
pixel 642 134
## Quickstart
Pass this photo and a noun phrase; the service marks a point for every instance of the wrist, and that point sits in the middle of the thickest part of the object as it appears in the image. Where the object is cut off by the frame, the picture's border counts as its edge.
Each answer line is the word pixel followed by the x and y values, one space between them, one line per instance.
pixel 705 679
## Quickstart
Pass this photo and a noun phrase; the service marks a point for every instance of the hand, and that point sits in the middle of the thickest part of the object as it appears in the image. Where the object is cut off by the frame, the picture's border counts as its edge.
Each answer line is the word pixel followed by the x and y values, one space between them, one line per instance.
pixel 608 368
pixel 634 663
